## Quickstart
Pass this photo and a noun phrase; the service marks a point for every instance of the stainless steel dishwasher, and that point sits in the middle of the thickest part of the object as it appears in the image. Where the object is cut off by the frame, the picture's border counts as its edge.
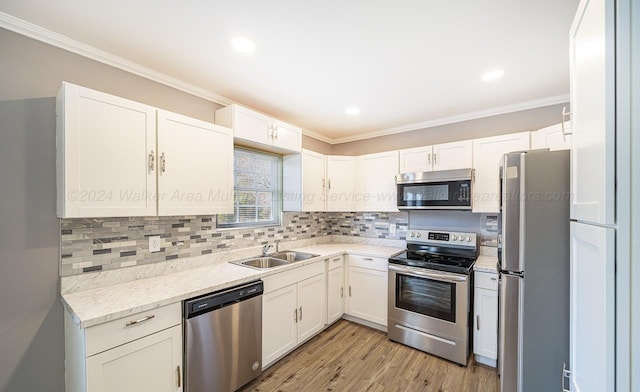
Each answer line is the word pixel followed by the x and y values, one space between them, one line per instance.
pixel 223 339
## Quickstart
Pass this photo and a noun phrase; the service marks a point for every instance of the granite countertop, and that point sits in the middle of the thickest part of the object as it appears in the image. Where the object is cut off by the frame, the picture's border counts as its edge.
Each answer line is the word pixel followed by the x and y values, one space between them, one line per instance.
pixel 486 264
pixel 94 306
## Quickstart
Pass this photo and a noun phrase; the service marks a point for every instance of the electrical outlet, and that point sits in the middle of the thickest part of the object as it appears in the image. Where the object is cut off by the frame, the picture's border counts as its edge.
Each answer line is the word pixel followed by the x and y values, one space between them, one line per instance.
pixel 392 228
pixel 154 243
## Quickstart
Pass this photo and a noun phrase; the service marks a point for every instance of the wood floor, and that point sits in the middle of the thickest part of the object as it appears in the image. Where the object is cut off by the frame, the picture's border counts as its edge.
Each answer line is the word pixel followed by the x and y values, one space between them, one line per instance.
pixel 352 357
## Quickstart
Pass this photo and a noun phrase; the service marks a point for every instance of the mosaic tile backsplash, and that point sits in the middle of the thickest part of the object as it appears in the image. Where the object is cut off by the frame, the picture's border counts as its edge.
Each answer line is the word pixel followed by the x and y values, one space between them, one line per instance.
pixel 100 244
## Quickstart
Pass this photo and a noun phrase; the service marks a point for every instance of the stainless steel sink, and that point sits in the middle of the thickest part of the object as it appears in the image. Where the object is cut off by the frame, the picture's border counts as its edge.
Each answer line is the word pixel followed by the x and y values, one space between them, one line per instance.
pixel 261 262
pixel 292 256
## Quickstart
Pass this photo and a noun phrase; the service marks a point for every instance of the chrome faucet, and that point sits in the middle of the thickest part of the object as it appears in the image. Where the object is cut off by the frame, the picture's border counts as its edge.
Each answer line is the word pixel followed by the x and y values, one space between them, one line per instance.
pixel 265 249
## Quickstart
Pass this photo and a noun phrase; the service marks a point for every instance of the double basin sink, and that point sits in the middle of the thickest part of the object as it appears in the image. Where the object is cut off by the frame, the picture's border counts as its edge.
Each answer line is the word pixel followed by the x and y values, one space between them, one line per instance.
pixel 276 259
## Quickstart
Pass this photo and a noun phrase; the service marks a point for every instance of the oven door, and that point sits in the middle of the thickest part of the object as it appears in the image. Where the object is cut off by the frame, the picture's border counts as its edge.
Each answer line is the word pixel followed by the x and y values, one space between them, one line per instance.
pixel 433 301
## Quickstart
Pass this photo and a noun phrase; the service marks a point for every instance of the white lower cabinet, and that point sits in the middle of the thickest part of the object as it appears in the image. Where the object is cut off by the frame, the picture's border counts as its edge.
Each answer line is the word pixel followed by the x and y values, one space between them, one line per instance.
pixel 335 289
pixel 142 352
pixel 368 289
pixel 293 310
pixel 485 321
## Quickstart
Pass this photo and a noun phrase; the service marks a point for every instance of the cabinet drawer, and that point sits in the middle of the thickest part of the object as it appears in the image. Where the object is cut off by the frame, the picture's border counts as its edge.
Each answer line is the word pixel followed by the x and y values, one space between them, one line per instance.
pixel 485 280
pixel 335 262
pixel 374 263
pixel 116 332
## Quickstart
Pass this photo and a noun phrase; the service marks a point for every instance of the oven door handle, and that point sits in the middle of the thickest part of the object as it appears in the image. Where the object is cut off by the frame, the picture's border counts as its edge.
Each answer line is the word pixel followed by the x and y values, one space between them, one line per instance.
pixel 422 273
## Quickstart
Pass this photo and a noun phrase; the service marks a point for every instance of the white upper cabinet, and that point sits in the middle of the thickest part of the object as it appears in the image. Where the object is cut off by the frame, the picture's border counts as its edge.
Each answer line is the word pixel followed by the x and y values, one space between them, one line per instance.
pixel 106 147
pixel 260 131
pixel 195 168
pixel 313 181
pixel 376 176
pixel 341 171
pixel 487 153
pixel 554 137
pixel 110 151
pixel 446 156
pixel 592 56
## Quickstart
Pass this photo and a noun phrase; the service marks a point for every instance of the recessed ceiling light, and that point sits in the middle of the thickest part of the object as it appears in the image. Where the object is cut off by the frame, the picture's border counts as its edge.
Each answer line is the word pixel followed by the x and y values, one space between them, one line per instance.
pixel 243 44
pixel 493 75
pixel 352 111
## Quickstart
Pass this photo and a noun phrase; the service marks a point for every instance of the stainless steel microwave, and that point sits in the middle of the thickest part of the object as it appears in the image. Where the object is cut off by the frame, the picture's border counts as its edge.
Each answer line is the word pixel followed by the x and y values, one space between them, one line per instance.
pixel 437 190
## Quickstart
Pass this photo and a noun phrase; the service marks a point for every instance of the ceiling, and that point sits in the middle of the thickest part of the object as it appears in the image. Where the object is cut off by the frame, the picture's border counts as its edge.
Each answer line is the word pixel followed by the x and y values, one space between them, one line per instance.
pixel 404 63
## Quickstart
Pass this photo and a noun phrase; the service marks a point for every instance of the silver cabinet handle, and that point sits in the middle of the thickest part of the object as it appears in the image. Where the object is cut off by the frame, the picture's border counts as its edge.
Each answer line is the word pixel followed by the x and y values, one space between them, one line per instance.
pixel 323 181
pixel 152 160
pixel 329 183
pixel 163 163
pixel 301 313
pixel 178 376
pixel 435 158
pixel 565 114
pixel 295 315
pixel 367 258
pixel 478 322
pixel 275 132
pixel 341 292
pixel 429 158
pixel 349 291
pixel 138 321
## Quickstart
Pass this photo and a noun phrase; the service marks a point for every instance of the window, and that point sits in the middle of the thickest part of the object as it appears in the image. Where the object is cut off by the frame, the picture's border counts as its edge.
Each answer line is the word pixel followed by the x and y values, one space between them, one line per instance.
pixel 257 189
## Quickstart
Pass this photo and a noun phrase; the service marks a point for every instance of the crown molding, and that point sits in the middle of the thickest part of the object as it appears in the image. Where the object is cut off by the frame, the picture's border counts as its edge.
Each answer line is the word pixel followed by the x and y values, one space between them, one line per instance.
pixel 538 103
pixel 49 37
pixel 318 136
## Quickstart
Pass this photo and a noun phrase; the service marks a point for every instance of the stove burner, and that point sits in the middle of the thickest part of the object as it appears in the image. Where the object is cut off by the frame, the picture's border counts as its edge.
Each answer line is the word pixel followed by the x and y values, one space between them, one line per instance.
pixel 452 261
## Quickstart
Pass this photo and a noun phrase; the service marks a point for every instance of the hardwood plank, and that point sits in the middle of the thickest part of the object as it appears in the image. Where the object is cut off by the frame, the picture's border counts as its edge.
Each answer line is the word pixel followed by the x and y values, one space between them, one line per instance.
pixel 351 357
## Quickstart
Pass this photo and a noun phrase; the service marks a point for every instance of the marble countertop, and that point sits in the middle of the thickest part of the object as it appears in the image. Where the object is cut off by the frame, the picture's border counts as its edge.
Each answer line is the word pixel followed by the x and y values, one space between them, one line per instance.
pixel 486 264
pixel 94 306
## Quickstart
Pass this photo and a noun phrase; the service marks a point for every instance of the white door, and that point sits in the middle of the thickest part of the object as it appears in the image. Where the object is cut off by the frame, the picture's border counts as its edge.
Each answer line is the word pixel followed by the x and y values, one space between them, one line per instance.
pixel 487 153
pixel 592 308
pixel 252 126
pixel 340 183
pixel 106 155
pixel 286 137
pixel 335 294
pixel 450 156
pixel 485 332
pixel 195 166
pixel 311 306
pixel 279 328
pixel 313 181
pixel 593 112
pixel 419 159
pixel 552 137
pixel 152 363
pixel 368 294
pixel 376 174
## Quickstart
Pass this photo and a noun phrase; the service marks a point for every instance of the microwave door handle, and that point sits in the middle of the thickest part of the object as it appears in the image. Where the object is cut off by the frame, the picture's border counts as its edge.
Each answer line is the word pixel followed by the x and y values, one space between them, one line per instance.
pixel 421 273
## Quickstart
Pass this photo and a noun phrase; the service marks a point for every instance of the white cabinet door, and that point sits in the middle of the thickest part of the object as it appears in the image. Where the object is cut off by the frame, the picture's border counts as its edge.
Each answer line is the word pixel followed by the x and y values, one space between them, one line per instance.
pixel 592 308
pixel 417 159
pixel 376 174
pixel 152 363
pixel 195 167
pixel 368 294
pixel 279 332
pixel 286 136
pixel 485 332
pixel 487 153
pixel 340 183
pixel 311 307
pixel 450 156
pixel 592 57
pixel 313 181
pixel 250 125
pixel 335 294
pixel 105 146
pixel 552 137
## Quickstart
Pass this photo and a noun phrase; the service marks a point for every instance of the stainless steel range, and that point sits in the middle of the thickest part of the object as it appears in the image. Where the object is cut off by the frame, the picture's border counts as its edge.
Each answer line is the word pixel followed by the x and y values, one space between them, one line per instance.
pixel 430 293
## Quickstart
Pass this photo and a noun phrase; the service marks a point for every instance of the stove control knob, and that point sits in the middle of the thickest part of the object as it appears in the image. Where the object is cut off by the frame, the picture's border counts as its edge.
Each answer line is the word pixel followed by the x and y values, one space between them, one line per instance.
pixel 468 239
pixel 455 238
pixel 418 235
pixel 412 234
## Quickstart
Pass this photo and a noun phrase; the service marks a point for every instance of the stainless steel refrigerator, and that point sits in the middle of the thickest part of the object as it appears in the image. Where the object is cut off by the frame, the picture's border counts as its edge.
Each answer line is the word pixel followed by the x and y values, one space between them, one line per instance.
pixel 534 271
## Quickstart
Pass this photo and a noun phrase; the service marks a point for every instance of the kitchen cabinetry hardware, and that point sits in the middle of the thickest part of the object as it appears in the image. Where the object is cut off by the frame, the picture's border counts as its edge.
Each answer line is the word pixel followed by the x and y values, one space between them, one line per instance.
pixel 323 181
pixel 565 114
pixel 295 315
pixel 163 163
pixel 478 322
pixel 435 158
pixel 367 258
pixel 349 291
pixel 138 321
pixel 152 160
pixel 429 158
pixel 341 292
pixel 178 377
pixel 301 313
pixel 329 183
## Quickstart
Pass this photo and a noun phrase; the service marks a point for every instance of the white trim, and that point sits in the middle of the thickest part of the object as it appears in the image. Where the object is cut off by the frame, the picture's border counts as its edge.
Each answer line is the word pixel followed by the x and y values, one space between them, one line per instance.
pixel 49 37
pixel 41 34
pixel 538 103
